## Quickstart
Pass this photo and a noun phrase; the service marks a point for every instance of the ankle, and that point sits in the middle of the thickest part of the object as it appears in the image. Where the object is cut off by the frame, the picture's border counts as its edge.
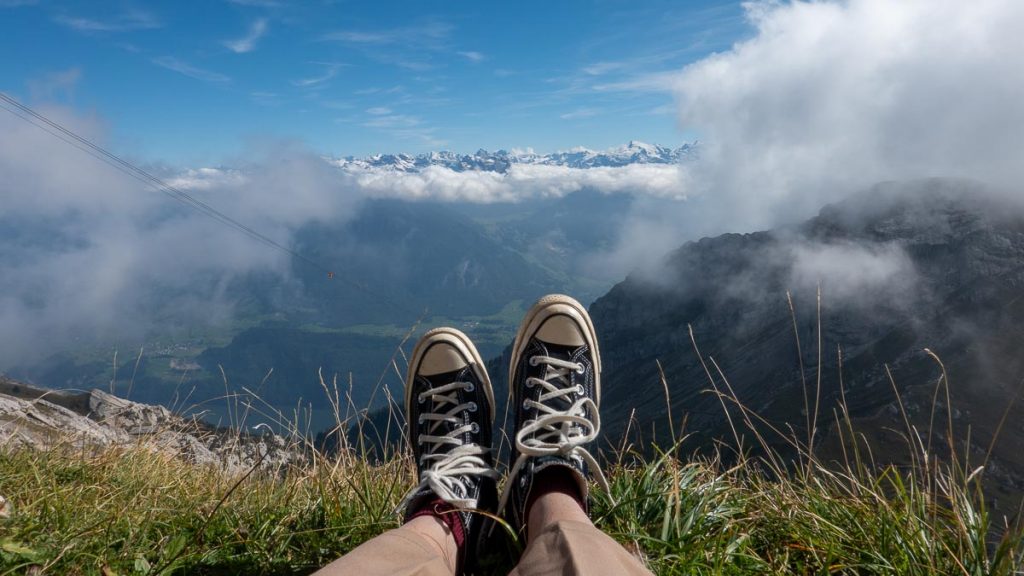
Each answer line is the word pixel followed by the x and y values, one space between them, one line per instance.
pixel 446 531
pixel 556 480
pixel 556 496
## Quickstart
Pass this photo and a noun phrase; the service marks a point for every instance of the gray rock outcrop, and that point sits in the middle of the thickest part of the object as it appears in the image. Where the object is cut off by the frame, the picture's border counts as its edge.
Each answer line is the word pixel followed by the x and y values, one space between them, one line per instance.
pixel 35 418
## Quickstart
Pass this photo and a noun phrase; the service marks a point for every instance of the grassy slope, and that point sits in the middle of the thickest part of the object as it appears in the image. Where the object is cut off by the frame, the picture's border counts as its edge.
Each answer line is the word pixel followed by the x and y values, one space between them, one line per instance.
pixel 128 511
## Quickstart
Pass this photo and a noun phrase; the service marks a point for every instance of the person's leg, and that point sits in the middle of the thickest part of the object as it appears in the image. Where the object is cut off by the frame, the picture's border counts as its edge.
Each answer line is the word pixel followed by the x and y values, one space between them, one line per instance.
pixel 449 409
pixel 555 381
pixel 563 541
pixel 424 546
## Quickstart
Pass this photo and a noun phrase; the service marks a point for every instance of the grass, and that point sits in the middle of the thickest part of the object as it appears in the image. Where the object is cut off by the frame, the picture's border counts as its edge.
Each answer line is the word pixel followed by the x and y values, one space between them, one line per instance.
pixel 129 510
pixel 746 509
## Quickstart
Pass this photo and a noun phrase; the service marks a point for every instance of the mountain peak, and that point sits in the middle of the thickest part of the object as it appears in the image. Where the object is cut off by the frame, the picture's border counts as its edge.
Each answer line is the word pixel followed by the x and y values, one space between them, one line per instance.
pixel 635 152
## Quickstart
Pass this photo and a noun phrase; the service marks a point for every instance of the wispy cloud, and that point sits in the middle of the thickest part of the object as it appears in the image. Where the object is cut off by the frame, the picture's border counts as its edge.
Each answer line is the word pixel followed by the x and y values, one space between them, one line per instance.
pixel 601 68
pixel 53 84
pixel 473 56
pixel 265 98
pixel 386 120
pixel 581 113
pixel 428 34
pixel 356 37
pixel 653 82
pixel 257 3
pixel 172 63
pixel 398 125
pixel 330 71
pixel 124 22
pixel 374 90
pixel 247 43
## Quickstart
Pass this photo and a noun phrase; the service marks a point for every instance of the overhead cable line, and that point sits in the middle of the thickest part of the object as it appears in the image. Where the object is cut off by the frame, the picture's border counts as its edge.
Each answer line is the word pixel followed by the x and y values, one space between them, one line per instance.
pixel 146 177
pixel 68 136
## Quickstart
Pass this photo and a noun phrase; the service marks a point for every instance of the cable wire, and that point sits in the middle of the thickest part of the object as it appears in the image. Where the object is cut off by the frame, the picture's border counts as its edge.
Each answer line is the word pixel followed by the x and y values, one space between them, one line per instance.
pixel 57 130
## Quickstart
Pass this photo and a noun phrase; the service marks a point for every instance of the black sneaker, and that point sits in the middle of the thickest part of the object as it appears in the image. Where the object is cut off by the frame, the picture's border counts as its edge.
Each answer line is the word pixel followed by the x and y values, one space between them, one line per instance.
pixel 555 386
pixel 449 405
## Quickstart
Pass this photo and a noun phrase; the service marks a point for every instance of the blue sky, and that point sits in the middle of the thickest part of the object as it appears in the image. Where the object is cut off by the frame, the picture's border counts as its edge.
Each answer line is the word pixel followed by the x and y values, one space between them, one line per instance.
pixel 199 82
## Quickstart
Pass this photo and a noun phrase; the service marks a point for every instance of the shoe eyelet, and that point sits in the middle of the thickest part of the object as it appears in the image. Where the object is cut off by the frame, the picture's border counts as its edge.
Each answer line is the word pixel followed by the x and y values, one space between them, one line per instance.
pixel 529 383
pixel 580 369
pixel 532 361
pixel 525 406
pixel 420 420
pixel 420 399
pixel 579 389
pixel 472 408
pixel 419 440
pixel 470 387
pixel 475 428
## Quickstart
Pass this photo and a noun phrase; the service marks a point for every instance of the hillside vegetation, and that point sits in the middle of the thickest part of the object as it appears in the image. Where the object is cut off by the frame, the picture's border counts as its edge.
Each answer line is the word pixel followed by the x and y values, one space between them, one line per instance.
pixel 133 510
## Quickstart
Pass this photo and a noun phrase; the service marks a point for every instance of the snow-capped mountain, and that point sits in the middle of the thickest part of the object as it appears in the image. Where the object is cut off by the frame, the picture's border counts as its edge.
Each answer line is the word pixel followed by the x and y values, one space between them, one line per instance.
pixel 482 160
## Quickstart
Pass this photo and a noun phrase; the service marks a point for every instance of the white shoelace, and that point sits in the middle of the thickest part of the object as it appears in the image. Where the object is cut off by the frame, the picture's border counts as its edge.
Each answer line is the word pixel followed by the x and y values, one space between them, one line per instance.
pixel 442 472
pixel 555 431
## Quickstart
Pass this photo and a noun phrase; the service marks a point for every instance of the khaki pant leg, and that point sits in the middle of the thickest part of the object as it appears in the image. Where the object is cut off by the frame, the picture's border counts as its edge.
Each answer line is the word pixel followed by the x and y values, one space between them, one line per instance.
pixel 393 553
pixel 577 548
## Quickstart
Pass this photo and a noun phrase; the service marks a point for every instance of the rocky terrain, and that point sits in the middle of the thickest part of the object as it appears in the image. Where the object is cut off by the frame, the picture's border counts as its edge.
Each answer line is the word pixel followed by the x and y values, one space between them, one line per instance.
pixel 37 418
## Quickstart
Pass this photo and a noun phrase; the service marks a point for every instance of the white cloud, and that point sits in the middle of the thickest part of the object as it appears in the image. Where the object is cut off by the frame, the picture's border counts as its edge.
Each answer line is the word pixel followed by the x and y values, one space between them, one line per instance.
pixel 247 43
pixel 852 273
pixel 429 35
pixel 186 69
pixel 520 182
pixel 580 113
pixel 473 56
pixel 330 71
pixel 124 22
pixel 378 111
pixel 383 119
pixel 88 252
pixel 830 97
pixel 602 68
pixel 257 3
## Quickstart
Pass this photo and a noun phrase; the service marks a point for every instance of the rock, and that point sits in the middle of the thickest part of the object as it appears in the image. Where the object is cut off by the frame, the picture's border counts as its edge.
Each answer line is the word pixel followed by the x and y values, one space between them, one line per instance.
pixel 32 417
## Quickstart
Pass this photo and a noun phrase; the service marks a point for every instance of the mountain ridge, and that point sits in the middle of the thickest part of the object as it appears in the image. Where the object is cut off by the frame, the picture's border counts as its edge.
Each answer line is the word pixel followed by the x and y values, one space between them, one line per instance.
pixel 903 267
pixel 635 152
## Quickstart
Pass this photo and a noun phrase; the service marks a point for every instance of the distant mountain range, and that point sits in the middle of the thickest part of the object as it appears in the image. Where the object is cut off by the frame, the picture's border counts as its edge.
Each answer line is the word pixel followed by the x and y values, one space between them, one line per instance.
pixel 634 152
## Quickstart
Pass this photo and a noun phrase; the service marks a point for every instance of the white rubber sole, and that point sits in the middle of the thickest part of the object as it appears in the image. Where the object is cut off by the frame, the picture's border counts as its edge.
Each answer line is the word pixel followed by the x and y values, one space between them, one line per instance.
pixel 546 307
pixel 458 340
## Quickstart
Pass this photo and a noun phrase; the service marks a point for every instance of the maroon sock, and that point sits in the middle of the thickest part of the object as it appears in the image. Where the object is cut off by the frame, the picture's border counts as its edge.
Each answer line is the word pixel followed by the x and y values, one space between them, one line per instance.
pixel 555 479
pixel 446 513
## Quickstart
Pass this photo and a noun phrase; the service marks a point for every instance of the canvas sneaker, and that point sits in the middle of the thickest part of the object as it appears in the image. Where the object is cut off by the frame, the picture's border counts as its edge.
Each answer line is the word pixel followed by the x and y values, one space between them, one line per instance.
pixel 449 405
pixel 555 388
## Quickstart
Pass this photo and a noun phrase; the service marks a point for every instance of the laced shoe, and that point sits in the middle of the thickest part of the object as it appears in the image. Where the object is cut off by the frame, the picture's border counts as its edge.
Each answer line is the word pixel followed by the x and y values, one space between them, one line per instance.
pixel 449 405
pixel 555 386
